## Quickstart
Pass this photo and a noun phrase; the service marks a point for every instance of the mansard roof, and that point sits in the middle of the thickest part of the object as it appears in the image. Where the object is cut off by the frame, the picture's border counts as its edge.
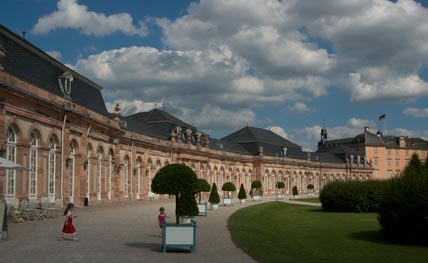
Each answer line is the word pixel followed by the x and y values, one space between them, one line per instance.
pixel 252 138
pixel 156 123
pixel 29 63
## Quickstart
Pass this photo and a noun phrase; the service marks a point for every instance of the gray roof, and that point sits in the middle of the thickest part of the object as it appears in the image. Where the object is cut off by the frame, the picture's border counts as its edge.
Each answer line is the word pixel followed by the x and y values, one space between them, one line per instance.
pixel 29 63
pixel 155 123
pixel 252 138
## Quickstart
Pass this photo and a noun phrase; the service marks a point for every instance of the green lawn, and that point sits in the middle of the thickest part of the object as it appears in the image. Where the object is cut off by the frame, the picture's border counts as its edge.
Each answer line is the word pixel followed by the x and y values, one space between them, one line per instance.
pixel 280 232
pixel 309 200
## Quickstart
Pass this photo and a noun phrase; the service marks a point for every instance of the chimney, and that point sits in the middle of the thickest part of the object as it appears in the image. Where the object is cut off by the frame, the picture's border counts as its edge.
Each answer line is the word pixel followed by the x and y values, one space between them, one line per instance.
pixel 366 129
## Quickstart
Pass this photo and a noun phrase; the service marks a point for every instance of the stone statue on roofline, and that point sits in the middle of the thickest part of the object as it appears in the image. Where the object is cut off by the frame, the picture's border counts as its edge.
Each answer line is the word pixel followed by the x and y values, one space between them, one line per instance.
pixel 117 112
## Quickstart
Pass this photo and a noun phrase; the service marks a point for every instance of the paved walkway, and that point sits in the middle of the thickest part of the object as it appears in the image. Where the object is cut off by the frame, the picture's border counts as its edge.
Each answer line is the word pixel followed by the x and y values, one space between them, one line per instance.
pixel 121 233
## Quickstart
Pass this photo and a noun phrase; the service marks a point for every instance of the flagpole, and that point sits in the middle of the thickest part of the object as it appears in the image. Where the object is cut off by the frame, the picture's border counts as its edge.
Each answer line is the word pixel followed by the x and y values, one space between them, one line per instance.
pixel 385 126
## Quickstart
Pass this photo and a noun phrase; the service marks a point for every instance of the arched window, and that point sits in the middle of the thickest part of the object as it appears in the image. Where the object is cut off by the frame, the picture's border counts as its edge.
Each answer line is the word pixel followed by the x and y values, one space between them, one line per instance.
pixel 125 176
pixel 110 171
pixel 88 171
pixel 52 169
pixel 70 165
pixel 11 156
pixel 32 191
pixel 149 176
pixel 138 174
pixel 99 172
pixel 266 182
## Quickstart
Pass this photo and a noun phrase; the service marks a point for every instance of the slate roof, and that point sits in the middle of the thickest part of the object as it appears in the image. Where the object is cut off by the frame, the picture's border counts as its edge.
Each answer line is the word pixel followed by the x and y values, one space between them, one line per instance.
pixel 29 63
pixel 252 138
pixel 155 123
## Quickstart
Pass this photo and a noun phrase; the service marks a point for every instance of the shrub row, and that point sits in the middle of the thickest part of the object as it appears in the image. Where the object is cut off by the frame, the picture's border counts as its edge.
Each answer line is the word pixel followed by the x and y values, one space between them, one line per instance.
pixel 351 196
pixel 403 210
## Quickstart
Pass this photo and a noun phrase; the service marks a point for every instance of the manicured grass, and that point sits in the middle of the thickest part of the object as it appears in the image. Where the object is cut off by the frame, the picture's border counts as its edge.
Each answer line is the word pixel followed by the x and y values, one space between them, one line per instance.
pixel 280 232
pixel 309 200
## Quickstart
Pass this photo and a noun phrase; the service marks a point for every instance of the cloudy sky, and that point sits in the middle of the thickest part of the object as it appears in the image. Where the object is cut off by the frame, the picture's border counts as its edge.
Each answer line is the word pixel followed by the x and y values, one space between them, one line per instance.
pixel 220 65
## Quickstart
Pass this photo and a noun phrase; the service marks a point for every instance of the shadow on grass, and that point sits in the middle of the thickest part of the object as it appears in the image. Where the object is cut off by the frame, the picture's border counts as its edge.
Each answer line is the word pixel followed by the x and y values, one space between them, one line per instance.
pixel 370 236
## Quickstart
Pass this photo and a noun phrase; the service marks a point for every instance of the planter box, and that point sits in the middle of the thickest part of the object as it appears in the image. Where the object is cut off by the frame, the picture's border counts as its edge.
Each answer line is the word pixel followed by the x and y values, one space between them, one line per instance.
pixel 242 201
pixel 183 235
pixel 186 219
pixel 203 209
pixel 257 198
pixel 280 197
pixel 214 206
pixel 228 201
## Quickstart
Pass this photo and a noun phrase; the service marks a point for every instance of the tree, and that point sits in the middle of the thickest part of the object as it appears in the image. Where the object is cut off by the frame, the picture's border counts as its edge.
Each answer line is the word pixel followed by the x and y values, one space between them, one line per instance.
pixel 310 187
pixel 228 187
pixel 188 206
pixel 256 184
pixel 214 197
pixel 242 194
pixel 175 179
pixel 280 185
pixel 295 190
pixel 203 186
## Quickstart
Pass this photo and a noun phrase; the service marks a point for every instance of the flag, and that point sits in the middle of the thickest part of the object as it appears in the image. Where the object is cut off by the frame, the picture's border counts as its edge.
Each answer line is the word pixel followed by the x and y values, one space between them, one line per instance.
pixel 382 117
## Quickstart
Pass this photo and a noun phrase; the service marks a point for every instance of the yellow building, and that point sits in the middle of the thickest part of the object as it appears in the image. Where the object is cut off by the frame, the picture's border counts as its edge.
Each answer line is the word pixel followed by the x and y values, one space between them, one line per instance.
pixel 388 155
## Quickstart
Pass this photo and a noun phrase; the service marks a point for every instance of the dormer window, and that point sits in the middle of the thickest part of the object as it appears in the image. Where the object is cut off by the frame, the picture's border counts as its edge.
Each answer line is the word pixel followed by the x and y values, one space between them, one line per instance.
pixel 65 82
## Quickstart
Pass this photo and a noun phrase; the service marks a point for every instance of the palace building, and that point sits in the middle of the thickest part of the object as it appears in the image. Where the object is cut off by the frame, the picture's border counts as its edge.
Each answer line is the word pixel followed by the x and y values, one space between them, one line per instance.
pixel 54 122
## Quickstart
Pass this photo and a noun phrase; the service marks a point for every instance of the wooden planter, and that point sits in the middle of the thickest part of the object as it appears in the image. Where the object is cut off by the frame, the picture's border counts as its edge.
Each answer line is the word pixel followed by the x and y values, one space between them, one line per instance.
pixel 203 209
pixel 183 235
pixel 228 201
pixel 257 198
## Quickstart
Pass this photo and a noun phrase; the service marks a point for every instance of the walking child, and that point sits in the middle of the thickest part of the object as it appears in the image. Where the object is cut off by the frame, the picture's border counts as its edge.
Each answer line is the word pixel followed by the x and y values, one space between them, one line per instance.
pixel 68 227
pixel 162 217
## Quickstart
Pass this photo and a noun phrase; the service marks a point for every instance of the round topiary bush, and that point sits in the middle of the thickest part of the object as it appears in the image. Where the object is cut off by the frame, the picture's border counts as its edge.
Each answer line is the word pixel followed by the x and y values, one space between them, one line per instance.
pixel 310 187
pixel 403 209
pixel 203 186
pixel 256 184
pixel 242 194
pixel 228 187
pixel 280 185
pixel 188 206
pixel 175 179
pixel 214 197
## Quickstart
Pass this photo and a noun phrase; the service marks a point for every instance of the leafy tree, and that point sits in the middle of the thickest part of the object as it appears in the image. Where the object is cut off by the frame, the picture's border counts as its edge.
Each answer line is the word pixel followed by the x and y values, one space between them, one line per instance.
pixel 280 186
pixel 295 190
pixel 256 184
pixel 214 197
pixel 310 187
pixel 242 194
pixel 175 179
pixel 203 186
pixel 188 206
pixel 403 209
pixel 229 187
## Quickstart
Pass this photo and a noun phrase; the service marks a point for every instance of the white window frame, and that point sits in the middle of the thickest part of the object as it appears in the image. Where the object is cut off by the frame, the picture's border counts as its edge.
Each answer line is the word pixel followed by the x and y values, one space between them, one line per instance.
pixel 11 156
pixel 32 174
pixel 52 170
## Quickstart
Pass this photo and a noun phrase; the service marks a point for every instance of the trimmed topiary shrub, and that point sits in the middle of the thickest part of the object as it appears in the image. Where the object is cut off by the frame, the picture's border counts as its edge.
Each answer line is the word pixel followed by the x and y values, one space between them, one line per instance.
pixel 403 210
pixel 242 194
pixel 352 196
pixel 214 197
pixel 310 187
pixel 228 187
pixel 295 190
pixel 188 206
pixel 203 186
pixel 256 184
pixel 175 179
pixel 280 186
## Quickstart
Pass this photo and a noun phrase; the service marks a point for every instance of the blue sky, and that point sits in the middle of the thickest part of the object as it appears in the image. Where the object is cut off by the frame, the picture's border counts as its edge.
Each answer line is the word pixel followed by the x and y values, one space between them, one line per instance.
pixel 289 66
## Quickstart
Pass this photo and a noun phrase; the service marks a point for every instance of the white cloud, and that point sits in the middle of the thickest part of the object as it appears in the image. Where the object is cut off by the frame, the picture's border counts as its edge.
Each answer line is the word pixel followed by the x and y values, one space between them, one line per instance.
pixel 376 84
pixel 299 107
pixel 132 106
pixel 72 15
pixel 415 112
pixel 55 54
pixel 280 131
